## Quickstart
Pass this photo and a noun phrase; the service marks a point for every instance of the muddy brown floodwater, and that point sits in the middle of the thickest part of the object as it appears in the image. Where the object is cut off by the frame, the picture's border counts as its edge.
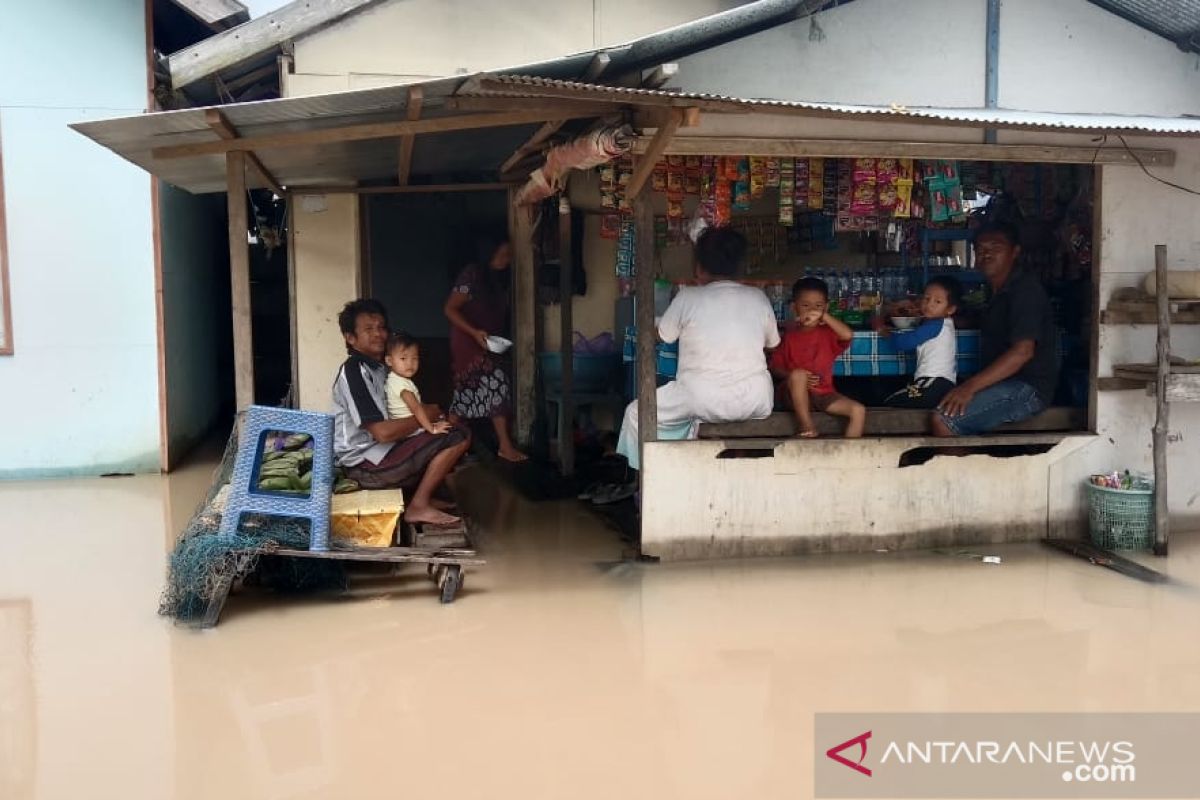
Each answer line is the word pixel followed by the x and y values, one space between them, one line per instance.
pixel 559 673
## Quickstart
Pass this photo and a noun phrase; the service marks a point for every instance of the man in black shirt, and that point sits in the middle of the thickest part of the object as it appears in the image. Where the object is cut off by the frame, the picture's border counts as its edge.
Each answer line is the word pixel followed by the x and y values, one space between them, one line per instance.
pixel 1018 349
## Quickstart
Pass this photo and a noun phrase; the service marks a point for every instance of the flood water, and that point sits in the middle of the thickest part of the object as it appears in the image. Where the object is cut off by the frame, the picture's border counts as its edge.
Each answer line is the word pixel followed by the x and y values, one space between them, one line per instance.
pixel 559 673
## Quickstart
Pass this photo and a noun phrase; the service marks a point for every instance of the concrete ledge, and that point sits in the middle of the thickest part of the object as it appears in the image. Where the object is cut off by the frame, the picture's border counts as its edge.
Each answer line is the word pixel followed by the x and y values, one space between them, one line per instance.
pixel 850 495
pixel 886 422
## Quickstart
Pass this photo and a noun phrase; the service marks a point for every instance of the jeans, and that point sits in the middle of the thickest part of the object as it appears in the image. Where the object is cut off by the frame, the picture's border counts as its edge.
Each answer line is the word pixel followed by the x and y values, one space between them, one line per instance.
pixel 1010 400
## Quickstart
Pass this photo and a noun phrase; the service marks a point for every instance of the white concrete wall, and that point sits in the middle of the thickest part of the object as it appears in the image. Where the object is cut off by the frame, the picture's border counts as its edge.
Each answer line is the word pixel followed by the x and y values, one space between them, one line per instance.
pixel 80 395
pixel 327 275
pixel 405 40
pixel 919 52
pixel 1055 55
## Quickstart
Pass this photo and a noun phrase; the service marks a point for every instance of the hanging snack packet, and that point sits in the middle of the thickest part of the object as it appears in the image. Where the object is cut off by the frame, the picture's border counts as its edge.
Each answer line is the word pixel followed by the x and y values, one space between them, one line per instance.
pixel 658 178
pixel 723 205
pixel 692 162
pixel 939 208
pixel 830 199
pixel 610 226
pixel 608 177
pixel 863 197
pixel 864 169
pixel 816 183
pixel 758 177
pixel 903 205
pixel 772 167
pixel 928 170
pixel 729 168
pixel 787 184
pixel 675 180
pixel 845 184
pixel 741 195
pixel 954 200
pixel 691 182
pixel 948 169
pixel 675 205
pixel 904 169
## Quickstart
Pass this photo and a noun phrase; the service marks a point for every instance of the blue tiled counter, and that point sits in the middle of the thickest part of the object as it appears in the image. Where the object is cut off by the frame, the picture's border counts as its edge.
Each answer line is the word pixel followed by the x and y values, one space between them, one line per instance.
pixel 871 354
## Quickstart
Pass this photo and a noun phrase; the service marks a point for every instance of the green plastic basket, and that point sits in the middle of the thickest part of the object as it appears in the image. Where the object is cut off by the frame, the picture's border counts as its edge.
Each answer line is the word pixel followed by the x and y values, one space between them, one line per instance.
pixel 1121 519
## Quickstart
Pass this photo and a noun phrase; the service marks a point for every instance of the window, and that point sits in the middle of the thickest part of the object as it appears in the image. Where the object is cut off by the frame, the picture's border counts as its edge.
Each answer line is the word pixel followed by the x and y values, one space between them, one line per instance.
pixel 6 334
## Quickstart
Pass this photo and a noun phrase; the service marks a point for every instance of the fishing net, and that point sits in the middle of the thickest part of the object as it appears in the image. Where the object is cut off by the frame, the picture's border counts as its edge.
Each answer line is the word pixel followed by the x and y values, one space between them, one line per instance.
pixel 203 563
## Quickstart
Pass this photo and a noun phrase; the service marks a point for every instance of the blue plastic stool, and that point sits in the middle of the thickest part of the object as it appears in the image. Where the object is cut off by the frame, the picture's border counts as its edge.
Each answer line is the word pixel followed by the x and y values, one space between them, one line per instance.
pixel 246 498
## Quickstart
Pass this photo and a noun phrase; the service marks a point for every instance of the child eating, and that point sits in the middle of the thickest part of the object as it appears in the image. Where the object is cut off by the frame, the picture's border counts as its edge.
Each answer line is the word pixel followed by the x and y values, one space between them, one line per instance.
pixel 936 346
pixel 403 397
pixel 804 361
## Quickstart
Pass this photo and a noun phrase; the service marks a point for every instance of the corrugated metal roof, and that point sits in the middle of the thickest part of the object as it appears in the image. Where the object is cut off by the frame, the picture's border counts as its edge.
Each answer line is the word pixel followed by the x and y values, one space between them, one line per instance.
pixel 135 138
pixel 532 86
pixel 1177 20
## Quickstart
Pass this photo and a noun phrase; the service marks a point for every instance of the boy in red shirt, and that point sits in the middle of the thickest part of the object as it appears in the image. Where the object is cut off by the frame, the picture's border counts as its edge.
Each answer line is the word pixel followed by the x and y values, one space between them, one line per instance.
pixel 804 361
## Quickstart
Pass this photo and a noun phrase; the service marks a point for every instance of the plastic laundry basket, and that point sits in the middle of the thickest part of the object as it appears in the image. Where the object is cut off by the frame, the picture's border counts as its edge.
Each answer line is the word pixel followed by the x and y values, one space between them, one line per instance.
pixel 1121 519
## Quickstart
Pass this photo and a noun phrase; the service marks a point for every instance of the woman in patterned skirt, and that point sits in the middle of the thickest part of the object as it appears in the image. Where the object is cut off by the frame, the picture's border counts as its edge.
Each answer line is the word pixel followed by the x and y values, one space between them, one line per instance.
pixel 478 307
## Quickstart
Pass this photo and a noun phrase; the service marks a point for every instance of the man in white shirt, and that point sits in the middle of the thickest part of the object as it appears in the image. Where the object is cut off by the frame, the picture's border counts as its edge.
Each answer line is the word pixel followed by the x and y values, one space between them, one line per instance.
pixel 722 328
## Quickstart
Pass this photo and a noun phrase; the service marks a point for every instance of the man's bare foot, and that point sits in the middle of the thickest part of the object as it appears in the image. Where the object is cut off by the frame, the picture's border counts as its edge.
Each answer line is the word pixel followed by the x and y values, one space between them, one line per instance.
pixel 512 455
pixel 808 434
pixel 430 516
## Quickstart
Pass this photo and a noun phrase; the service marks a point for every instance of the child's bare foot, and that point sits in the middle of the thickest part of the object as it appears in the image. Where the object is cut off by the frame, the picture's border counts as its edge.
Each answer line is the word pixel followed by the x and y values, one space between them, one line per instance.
pixel 807 434
pixel 430 516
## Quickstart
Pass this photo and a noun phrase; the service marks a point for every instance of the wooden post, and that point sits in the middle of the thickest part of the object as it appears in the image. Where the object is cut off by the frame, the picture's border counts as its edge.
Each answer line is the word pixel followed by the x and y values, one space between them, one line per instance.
pixel 239 274
pixel 566 290
pixel 647 335
pixel 524 322
pixel 1162 521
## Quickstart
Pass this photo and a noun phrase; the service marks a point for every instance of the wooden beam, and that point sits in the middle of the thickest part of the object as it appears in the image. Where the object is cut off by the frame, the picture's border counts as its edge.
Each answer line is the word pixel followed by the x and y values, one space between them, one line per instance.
pixel 1162 514
pixel 251 78
pixel 524 321
pixel 531 144
pixel 239 275
pixel 658 77
pixel 596 67
pixel 412 188
pixel 416 96
pixel 257 36
pixel 352 133
pixel 647 334
pixel 857 148
pixel 654 151
pixel 221 125
pixel 566 292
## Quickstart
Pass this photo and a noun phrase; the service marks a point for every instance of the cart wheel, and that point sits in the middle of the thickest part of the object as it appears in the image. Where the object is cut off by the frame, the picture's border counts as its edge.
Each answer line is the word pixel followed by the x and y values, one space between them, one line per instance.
pixel 451 583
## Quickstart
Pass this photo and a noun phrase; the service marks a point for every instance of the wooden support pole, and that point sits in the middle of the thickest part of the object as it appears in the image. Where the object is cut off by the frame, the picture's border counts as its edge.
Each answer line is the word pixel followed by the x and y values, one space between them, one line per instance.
pixel 239 274
pixel 223 128
pixel 658 145
pixel 415 97
pixel 524 323
pixel 566 290
pixel 1162 520
pixel 543 133
pixel 647 335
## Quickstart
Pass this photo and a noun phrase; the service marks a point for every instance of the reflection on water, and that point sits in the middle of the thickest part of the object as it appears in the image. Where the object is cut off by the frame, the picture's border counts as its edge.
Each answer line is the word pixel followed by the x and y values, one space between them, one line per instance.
pixel 556 674
pixel 18 717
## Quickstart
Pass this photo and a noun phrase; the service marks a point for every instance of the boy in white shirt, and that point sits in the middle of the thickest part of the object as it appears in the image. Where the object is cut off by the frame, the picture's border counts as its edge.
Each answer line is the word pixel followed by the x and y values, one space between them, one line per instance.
pixel 936 344
pixel 403 359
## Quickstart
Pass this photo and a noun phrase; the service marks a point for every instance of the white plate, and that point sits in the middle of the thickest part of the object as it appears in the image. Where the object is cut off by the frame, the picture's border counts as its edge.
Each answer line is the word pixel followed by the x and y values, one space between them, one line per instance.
pixel 498 344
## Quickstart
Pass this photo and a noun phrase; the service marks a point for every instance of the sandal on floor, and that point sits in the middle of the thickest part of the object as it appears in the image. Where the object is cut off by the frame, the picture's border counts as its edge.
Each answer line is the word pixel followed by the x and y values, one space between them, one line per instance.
pixel 614 494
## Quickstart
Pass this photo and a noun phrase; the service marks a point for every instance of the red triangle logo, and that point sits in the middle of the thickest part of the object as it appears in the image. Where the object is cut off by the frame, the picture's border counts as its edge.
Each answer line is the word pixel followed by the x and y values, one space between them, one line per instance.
pixel 835 753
